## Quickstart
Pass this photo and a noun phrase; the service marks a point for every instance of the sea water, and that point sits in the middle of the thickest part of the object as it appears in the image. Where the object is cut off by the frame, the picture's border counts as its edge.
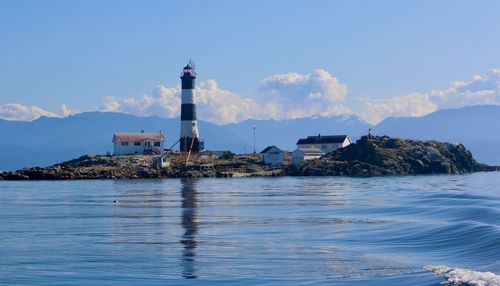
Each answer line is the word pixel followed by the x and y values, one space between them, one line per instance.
pixel 411 230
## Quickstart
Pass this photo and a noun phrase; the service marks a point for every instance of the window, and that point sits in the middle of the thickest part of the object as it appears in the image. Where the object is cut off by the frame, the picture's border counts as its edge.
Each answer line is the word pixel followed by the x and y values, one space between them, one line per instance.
pixel 124 143
pixel 137 143
pixel 147 144
pixel 157 144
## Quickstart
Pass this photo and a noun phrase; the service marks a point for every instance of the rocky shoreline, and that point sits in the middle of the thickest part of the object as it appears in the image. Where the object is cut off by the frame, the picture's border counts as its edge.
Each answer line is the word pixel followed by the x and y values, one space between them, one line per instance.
pixel 369 156
pixel 99 167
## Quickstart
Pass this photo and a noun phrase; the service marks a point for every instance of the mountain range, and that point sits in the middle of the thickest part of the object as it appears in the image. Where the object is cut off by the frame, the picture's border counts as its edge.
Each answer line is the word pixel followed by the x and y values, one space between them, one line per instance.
pixel 46 141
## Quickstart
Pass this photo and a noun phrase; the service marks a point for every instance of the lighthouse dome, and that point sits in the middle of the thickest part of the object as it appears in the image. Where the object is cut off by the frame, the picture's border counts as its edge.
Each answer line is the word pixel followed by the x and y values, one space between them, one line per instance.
pixel 188 71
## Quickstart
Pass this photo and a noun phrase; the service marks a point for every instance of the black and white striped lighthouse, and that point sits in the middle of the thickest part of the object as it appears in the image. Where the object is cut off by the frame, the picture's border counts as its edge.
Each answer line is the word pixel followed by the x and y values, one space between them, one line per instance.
pixel 189 126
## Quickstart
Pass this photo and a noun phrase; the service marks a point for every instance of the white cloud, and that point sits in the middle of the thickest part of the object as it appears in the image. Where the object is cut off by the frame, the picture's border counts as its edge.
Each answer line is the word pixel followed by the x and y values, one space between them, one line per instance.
pixel 66 111
pixel 416 104
pixel 295 95
pixel 21 112
pixel 480 90
pixel 17 111
pixel 164 102
pixel 109 104
pixel 222 106
pixel 284 96
pixel 213 104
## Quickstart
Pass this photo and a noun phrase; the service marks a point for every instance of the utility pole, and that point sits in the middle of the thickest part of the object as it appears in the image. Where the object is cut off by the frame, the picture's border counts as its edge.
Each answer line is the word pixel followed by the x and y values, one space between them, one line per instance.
pixel 254 139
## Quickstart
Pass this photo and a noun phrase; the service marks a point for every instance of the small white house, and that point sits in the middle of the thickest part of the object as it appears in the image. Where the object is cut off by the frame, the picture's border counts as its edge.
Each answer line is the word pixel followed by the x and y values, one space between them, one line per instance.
pixel 326 143
pixel 162 161
pixel 305 154
pixel 272 155
pixel 138 143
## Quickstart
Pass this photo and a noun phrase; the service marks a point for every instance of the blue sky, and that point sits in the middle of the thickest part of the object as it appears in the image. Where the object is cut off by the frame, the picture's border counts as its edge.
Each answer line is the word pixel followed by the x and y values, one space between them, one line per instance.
pixel 81 53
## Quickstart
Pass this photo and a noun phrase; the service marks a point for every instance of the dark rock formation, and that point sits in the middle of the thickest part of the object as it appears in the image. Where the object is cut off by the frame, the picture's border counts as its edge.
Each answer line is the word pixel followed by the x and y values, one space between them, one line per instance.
pixel 377 156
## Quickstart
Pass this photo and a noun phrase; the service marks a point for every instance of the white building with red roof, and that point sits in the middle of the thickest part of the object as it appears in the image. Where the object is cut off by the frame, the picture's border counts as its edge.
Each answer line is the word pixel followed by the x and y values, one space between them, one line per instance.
pixel 138 143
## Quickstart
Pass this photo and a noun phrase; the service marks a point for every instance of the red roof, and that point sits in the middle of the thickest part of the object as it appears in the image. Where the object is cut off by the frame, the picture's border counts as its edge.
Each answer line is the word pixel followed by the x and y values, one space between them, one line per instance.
pixel 138 137
pixel 188 67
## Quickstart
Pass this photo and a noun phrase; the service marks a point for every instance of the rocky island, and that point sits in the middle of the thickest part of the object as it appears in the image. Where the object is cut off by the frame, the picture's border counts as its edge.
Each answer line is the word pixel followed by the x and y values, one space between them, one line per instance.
pixel 383 155
pixel 369 156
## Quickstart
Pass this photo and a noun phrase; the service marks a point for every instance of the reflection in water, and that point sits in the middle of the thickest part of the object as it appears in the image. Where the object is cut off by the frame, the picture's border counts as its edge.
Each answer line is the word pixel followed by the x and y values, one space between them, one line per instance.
pixel 190 225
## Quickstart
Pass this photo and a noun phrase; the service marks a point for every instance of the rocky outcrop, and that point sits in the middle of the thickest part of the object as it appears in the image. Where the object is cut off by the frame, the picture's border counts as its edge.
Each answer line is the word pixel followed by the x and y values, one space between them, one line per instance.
pixel 382 155
pixel 142 167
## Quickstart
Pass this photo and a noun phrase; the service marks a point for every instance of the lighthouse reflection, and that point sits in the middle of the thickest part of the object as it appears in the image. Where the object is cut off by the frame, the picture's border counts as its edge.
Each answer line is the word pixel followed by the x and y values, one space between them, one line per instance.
pixel 190 225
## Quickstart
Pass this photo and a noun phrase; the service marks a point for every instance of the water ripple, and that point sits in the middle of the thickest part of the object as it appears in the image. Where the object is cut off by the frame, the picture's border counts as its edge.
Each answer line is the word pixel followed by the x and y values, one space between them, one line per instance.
pixel 266 231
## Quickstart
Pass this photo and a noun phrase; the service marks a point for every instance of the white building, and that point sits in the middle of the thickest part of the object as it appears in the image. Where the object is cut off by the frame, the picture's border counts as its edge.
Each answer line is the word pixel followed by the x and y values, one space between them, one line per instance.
pixel 272 155
pixel 162 161
pixel 326 143
pixel 138 143
pixel 305 154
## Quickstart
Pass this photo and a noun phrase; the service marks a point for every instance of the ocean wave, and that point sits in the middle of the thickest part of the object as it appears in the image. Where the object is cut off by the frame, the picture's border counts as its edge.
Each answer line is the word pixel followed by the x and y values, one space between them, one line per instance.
pixel 459 276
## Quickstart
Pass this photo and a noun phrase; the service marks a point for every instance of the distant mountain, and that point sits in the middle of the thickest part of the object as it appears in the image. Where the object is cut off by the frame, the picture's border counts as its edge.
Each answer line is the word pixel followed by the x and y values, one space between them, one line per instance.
pixel 46 141
pixel 477 127
pixel 285 133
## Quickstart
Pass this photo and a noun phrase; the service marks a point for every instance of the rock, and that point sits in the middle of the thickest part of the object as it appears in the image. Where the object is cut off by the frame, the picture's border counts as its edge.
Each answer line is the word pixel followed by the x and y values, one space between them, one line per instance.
pixel 15 176
pixel 382 155
pixel 146 173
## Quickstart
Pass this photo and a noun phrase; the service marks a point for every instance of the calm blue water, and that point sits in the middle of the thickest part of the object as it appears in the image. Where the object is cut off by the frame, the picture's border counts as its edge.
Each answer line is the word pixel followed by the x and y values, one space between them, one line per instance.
pixel 265 231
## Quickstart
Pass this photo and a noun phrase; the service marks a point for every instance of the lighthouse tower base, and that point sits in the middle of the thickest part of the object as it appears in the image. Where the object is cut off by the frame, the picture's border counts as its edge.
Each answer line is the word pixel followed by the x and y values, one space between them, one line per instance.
pixel 185 144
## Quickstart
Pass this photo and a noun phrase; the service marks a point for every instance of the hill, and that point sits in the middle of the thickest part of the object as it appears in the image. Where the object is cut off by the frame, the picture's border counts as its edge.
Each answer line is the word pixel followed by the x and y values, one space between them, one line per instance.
pixel 477 127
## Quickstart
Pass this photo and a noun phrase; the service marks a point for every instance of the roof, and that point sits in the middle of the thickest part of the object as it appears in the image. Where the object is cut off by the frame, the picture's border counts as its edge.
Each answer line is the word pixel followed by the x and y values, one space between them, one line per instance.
pixel 320 139
pixel 269 148
pixel 188 67
pixel 138 137
pixel 311 151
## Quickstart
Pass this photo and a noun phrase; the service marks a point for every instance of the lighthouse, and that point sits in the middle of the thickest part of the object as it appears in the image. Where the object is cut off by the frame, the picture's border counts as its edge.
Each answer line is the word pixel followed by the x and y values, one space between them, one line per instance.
pixel 189 140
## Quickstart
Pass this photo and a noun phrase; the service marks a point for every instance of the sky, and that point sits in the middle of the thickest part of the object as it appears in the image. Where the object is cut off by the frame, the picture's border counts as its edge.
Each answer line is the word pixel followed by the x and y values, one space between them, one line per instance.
pixel 255 59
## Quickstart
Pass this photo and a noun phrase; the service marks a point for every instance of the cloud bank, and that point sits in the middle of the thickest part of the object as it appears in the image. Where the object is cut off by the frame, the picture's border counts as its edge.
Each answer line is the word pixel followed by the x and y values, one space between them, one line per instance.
pixel 21 112
pixel 285 96
pixel 17 111
pixel 479 90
